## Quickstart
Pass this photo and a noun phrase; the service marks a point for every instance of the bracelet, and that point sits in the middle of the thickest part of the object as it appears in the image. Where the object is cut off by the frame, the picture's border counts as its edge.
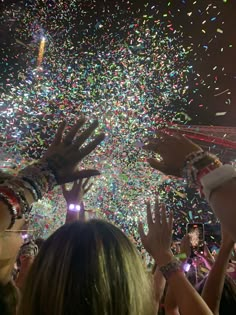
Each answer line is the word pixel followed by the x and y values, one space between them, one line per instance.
pixel 40 177
pixel 37 178
pixel 19 191
pixel 74 207
pixel 216 178
pixel 170 268
pixel 22 183
pixel 206 170
pixel 197 164
pixel 11 195
pixel 34 186
pixel 193 157
pixel 11 209
pixel 29 249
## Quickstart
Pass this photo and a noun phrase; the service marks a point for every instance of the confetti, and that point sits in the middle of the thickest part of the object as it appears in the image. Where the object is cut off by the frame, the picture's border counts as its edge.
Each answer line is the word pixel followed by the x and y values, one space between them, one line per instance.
pixel 130 67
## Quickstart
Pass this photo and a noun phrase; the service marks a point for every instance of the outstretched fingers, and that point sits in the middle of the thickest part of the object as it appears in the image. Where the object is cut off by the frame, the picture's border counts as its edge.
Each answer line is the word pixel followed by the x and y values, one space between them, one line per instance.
pixel 87 188
pixel 91 146
pixel 59 134
pixel 149 214
pixel 157 212
pixel 141 232
pixel 86 134
pixel 171 220
pixel 72 133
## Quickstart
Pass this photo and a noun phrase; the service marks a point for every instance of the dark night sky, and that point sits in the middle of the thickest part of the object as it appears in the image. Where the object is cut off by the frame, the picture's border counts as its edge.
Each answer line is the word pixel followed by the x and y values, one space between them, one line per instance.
pixel 203 64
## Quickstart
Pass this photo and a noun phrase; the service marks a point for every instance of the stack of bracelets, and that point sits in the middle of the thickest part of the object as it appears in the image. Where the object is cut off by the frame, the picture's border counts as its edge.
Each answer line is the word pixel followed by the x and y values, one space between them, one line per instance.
pixel 37 178
pixel 29 249
pixel 204 171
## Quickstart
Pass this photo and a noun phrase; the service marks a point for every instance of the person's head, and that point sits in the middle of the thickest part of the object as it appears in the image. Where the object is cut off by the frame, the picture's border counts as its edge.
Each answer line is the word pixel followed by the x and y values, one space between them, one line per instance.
pixel 228 297
pixel 87 268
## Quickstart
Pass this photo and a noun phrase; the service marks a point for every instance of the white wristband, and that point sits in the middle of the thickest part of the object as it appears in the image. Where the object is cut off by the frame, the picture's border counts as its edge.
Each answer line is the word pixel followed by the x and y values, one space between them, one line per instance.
pixel 217 178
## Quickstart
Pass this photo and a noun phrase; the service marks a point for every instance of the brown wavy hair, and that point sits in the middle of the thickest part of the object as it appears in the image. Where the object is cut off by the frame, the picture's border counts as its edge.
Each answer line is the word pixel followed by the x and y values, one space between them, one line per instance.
pixel 88 268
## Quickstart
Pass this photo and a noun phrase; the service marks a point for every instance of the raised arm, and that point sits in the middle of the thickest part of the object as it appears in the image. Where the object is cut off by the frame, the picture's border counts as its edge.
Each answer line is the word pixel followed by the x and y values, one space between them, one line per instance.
pixel 158 242
pixel 213 287
pixel 181 157
pixel 159 283
pixel 59 165
pixel 74 200
pixel 171 306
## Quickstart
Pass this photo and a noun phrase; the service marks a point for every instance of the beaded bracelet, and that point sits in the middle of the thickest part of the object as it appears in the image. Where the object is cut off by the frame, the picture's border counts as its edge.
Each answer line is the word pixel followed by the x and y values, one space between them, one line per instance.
pixel 196 163
pixel 11 208
pixel 19 191
pixel 29 249
pixel 194 157
pixel 11 195
pixel 170 268
pixel 37 178
pixel 40 176
pixel 49 174
pixel 34 186
pixel 22 183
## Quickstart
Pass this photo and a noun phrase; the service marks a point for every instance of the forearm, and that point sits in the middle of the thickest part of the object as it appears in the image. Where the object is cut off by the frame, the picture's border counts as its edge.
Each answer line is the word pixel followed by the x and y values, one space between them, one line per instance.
pixel 186 296
pixel 215 281
pixel 223 201
pixel 72 215
pixel 159 286
pixel 171 306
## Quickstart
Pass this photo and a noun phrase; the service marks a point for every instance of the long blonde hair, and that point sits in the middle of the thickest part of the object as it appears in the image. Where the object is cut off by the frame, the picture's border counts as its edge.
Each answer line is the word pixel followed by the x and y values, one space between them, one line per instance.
pixel 88 268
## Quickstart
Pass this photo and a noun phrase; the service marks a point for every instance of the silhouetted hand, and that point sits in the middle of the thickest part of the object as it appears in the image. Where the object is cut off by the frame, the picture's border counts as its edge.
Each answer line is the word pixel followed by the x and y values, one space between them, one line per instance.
pixel 65 153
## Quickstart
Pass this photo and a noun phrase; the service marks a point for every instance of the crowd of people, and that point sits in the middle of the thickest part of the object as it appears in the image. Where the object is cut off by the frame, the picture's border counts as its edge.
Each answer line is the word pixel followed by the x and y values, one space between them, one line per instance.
pixel 89 266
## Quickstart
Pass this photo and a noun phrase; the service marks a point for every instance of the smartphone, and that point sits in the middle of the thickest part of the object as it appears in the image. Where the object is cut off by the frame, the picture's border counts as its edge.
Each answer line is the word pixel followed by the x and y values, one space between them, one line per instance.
pixel 196 233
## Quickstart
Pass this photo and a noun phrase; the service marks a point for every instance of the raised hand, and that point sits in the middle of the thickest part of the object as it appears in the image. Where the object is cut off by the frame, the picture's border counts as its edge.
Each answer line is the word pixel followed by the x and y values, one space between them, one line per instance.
pixel 159 237
pixel 65 153
pixel 173 149
pixel 77 192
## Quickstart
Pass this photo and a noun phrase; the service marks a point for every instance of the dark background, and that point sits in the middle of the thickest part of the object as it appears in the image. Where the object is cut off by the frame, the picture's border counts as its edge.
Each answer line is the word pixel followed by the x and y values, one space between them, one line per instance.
pixel 205 105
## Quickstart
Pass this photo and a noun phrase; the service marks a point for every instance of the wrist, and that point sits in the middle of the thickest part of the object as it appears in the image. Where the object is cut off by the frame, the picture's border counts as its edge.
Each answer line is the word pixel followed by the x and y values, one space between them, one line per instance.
pixel 74 206
pixel 172 267
pixel 164 258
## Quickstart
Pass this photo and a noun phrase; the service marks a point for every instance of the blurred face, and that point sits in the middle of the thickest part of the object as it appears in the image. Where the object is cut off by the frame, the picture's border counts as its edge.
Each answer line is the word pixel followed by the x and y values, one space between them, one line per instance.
pixel 10 243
